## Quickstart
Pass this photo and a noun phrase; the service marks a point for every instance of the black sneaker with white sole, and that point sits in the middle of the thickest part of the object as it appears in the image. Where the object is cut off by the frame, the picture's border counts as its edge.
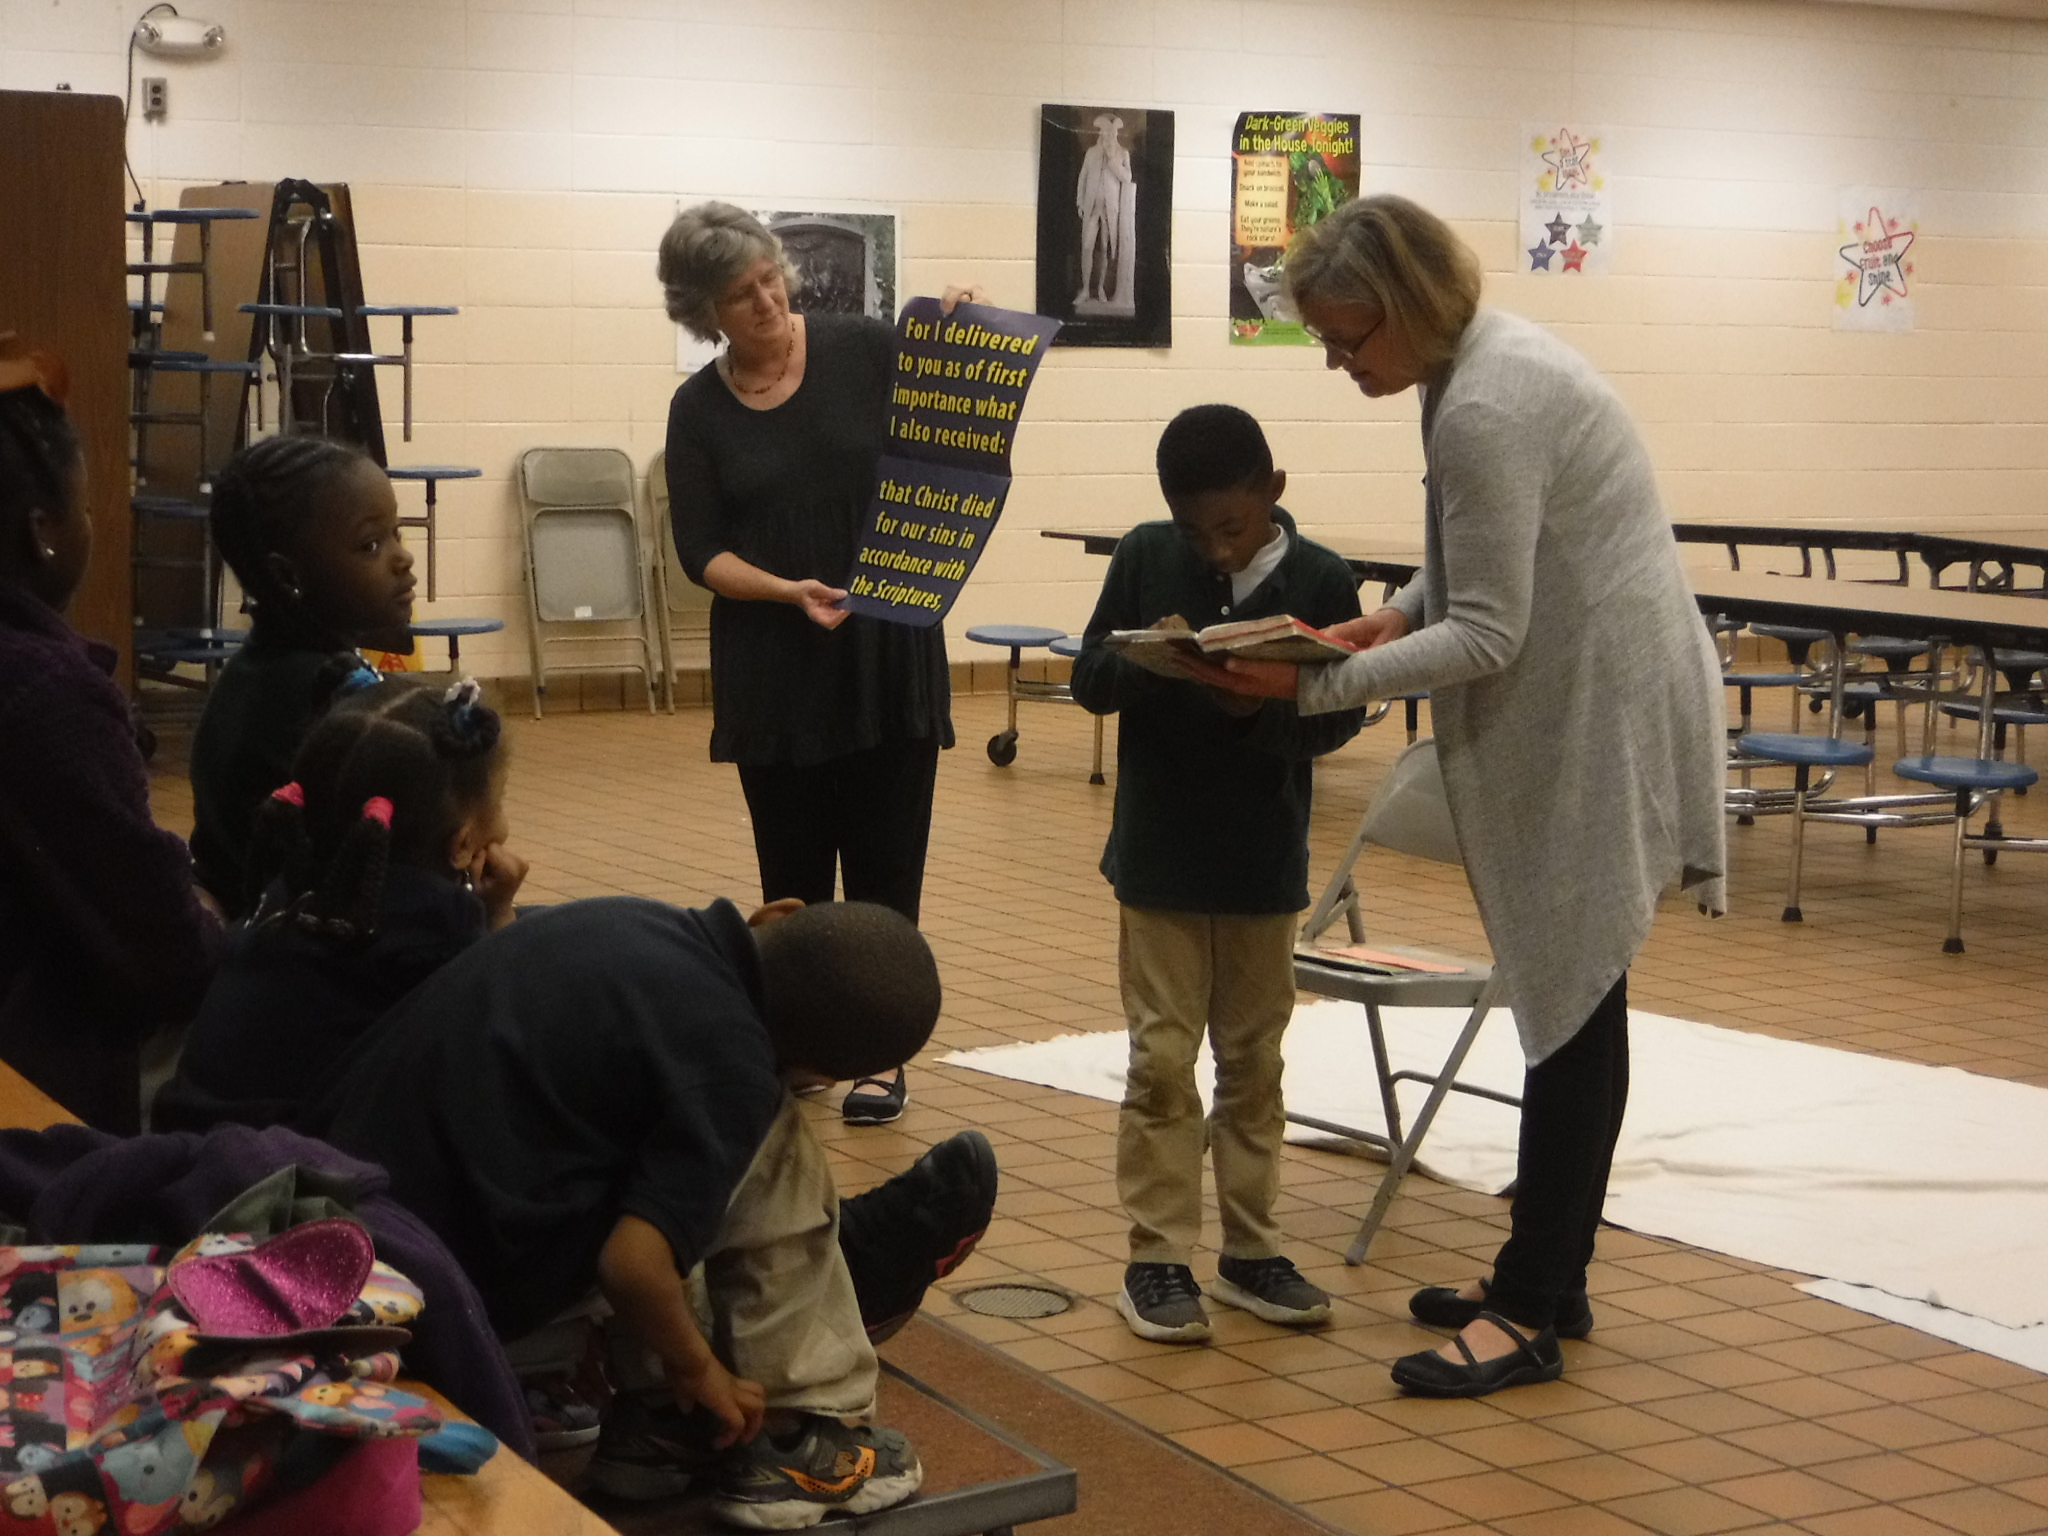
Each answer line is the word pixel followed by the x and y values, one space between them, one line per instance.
pixel 918 1227
pixel 1272 1289
pixel 1162 1303
pixel 825 1468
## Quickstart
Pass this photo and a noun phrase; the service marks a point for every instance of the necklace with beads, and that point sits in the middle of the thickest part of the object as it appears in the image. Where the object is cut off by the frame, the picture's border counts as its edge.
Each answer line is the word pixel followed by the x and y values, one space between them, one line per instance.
pixel 788 351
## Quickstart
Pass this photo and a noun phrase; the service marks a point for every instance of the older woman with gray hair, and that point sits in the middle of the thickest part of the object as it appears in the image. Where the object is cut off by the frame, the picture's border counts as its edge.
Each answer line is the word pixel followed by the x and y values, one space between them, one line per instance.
pixel 1577 708
pixel 834 720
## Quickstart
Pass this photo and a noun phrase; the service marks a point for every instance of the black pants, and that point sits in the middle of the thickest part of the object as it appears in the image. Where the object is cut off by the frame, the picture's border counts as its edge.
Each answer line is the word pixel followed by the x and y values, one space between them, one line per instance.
pixel 1572 1104
pixel 866 816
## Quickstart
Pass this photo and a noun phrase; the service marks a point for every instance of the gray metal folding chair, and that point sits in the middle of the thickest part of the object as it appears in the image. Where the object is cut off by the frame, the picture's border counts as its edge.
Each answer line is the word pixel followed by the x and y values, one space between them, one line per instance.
pixel 682 617
pixel 586 569
pixel 1391 820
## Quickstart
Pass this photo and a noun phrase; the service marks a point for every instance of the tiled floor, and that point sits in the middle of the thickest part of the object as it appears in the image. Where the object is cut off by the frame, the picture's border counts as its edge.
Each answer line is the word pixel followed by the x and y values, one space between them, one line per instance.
pixel 1714 1397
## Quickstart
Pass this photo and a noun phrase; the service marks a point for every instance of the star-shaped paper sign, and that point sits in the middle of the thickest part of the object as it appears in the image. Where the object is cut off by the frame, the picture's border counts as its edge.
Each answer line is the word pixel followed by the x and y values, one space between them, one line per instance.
pixel 1878 257
pixel 1557 229
pixel 1539 258
pixel 1574 257
pixel 1590 232
pixel 1570 159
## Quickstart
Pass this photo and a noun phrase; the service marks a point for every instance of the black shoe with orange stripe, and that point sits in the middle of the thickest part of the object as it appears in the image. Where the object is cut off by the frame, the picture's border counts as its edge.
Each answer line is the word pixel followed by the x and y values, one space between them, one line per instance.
pixel 824 1468
pixel 918 1227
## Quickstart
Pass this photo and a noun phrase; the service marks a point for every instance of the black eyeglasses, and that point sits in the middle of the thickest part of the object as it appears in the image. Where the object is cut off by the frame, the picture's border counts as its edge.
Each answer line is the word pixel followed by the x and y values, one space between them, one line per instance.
pixel 1342 353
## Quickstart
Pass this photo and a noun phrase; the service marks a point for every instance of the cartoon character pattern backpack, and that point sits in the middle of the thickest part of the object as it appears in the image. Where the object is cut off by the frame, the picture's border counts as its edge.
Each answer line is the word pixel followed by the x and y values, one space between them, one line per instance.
pixel 122 1413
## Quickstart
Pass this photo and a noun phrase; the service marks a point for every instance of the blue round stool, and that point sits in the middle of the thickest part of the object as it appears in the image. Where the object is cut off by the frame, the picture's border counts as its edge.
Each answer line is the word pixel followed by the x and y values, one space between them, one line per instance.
pixel 1966 776
pixel 431 475
pixel 1802 754
pixel 1016 638
pixel 452 630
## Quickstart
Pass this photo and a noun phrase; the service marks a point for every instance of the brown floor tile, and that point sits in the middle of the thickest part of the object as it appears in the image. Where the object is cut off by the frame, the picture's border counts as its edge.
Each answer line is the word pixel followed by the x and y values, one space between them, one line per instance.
pixel 1409 1461
pixel 1684 1512
pixel 1889 1478
pixel 1788 1495
pixel 1513 1445
pixel 1234 1445
pixel 1896 1428
pixel 1387 1512
pixel 1168 1412
pixel 1704 1460
pixel 1986 1461
pixel 1598 1479
pixel 1334 1429
pixel 1617 1428
pixel 1573 1520
pixel 1714 1413
pixel 1798 1444
pixel 1981 1512
pixel 1493 1496
pixel 1875 1520
pixel 1300 1479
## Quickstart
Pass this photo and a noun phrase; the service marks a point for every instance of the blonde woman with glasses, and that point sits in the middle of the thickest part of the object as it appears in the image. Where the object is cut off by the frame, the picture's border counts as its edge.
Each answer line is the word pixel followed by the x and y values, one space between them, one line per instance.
pixel 1577 708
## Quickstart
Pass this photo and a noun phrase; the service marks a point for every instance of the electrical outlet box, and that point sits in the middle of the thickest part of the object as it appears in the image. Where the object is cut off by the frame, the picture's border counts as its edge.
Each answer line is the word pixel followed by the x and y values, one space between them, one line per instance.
pixel 156 97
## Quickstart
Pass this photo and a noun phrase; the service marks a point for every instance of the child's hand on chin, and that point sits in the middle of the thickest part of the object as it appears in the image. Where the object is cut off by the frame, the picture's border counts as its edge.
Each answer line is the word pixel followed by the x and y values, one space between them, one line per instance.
pixel 736 1402
pixel 497 873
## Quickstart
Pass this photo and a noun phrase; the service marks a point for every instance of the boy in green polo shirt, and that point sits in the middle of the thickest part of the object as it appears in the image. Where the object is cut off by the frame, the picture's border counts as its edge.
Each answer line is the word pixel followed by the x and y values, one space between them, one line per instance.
pixel 1208 853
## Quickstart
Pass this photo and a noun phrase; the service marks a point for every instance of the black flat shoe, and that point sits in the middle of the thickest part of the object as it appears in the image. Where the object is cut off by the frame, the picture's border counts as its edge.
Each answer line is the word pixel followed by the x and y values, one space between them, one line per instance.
pixel 1441 1306
pixel 1429 1374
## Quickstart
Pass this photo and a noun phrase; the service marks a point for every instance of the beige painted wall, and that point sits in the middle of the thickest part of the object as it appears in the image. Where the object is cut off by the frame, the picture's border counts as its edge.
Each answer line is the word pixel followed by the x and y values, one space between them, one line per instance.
pixel 522 159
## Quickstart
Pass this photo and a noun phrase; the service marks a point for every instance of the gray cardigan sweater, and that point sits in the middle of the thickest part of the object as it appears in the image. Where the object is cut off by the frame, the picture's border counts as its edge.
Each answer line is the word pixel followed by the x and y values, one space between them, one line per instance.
pixel 1575 694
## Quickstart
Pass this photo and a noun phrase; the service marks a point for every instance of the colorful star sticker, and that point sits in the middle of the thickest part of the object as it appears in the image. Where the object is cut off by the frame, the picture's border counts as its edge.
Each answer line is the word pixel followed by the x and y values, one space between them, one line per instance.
pixel 1878 258
pixel 1574 257
pixel 1539 258
pixel 1571 159
pixel 1557 229
pixel 1589 232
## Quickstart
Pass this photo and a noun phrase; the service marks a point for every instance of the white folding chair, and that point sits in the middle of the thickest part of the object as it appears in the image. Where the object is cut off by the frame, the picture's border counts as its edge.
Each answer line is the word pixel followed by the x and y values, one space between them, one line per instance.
pixel 1400 817
pixel 585 563
pixel 682 616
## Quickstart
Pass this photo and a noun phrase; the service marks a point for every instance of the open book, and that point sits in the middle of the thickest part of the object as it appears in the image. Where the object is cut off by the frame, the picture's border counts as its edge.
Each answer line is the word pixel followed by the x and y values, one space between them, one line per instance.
pixel 1375 962
pixel 1280 638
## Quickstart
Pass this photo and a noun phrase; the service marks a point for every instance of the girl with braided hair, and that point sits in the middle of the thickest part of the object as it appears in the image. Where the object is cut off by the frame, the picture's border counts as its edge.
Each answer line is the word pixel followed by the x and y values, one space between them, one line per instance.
pixel 310 529
pixel 380 861
pixel 102 935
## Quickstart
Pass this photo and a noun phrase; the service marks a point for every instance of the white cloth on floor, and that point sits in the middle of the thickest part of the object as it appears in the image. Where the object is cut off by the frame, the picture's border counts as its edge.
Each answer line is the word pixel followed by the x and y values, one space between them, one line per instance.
pixel 1929 1183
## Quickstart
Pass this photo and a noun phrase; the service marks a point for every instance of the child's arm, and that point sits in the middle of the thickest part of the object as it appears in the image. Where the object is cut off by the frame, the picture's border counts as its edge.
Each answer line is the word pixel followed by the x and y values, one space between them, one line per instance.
pixel 1104 682
pixel 496 874
pixel 637 1273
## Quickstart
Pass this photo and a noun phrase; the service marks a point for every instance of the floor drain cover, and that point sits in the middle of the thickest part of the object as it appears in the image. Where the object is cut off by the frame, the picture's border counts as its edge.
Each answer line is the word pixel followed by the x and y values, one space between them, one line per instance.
pixel 1015 1300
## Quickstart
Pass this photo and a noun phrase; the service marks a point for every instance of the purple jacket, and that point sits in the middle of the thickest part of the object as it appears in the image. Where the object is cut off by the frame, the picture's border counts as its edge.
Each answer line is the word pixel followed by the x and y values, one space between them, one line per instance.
pixel 102 937
pixel 72 1184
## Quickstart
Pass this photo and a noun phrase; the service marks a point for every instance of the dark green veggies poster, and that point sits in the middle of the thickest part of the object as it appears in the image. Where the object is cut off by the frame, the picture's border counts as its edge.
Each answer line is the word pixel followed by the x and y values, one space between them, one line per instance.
pixel 1288 171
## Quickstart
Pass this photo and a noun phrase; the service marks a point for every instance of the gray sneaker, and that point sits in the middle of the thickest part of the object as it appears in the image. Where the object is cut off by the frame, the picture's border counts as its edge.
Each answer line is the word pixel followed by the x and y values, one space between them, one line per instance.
pixel 1272 1289
pixel 1162 1303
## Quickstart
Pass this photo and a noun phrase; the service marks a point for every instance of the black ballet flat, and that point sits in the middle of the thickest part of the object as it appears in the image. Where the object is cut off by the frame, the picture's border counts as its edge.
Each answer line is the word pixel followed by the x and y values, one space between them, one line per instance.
pixel 1441 1306
pixel 1429 1374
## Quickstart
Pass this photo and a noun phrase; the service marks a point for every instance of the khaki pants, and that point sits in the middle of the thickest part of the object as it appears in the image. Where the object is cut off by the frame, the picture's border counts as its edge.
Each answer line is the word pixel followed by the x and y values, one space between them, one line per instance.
pixel 773 1294
pixel 1184 974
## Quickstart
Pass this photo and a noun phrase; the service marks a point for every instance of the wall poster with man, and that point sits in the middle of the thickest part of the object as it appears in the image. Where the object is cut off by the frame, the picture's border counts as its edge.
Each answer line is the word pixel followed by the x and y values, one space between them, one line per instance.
pixel 1105 225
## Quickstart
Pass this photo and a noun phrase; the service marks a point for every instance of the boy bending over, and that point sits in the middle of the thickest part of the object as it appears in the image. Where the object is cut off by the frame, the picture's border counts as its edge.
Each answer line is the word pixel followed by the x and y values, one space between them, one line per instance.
pixel 1208 852
pixel 599 1094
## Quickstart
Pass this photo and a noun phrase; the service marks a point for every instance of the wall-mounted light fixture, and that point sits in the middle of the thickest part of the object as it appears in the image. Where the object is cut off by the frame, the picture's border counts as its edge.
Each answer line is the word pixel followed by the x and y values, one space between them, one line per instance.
pixel 179 37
